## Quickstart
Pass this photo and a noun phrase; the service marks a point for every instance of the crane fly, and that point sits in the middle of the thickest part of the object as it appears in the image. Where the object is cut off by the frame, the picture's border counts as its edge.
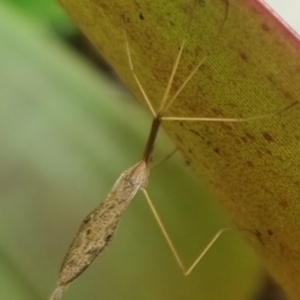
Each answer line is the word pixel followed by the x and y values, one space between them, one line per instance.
pixel 98 228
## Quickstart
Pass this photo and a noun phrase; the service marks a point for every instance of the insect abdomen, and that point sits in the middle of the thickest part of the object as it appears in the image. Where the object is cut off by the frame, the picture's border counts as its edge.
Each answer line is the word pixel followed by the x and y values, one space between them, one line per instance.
pixel 98 228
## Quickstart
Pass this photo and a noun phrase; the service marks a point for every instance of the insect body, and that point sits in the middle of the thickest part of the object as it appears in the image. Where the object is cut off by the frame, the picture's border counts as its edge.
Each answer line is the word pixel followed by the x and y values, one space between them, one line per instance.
pixel 99 226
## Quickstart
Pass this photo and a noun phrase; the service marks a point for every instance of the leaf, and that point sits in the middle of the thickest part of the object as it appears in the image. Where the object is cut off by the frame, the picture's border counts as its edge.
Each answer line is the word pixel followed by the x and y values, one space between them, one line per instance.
pixel 252 168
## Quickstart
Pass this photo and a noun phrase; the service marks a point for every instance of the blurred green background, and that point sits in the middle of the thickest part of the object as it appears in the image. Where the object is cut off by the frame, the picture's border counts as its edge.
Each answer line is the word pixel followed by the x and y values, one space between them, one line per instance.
pixel 67 131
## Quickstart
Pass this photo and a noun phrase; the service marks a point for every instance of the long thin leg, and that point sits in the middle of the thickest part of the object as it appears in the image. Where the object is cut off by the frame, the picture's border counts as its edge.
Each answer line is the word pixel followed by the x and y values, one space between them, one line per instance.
pixel 170 81
pixel 263 116
pixel 185 271
pixel 157 163
pixel 128 53
pixel 186 81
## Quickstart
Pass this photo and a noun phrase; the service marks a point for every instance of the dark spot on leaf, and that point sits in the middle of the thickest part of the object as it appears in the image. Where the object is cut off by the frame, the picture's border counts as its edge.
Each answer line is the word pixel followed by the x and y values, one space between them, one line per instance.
pixel 249 164
pixel 265 27
pixel 267 136
pixel 270 232
pixel 88 231
pixel 190 150
pixel 142 17
pixel 217 150
pixel 243 56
